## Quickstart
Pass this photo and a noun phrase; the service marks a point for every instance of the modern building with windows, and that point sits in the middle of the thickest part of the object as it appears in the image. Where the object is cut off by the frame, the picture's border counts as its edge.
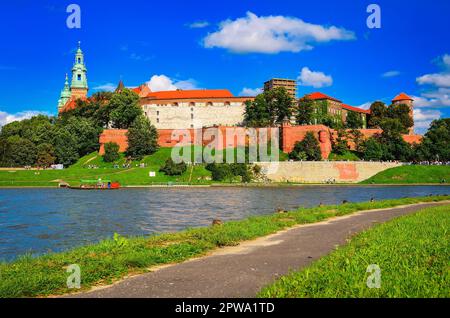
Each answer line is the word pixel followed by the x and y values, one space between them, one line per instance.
pixel 289 84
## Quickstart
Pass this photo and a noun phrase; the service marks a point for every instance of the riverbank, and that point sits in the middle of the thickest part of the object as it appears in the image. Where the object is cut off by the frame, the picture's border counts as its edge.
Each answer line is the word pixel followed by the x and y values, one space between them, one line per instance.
pixel 113 259
pixel 411 252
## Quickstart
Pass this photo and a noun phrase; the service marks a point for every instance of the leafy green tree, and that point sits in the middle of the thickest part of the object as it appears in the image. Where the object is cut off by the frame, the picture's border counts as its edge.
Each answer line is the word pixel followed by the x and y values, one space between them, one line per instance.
pixel 22 152
pixel 401 113
pixel 125 108
pixel 66 147
pixel 436 142
pixel 340 145
pixel 269 108
pixel 307 149
pixel 142 138
pixel 45 155
pixel 372 149
pixel 111 152
pixel 354 120
pixel 378 111
pixel 305 111
pixel 85 133
pixel 171 168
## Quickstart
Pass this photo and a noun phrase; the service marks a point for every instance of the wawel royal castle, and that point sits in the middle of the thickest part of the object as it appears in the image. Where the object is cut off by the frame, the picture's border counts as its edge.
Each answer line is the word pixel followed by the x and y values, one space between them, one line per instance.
pixel 189 109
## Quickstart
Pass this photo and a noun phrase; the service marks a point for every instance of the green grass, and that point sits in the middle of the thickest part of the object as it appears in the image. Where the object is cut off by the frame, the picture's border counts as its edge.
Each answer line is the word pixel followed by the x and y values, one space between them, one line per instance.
pixel 346 156
pixel 412 253
pixel 411 174
pixel 133 176
pixel 112 259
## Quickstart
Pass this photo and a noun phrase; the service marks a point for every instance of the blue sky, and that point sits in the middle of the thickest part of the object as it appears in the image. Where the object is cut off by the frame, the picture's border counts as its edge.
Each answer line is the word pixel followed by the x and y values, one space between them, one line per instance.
pixel 230 44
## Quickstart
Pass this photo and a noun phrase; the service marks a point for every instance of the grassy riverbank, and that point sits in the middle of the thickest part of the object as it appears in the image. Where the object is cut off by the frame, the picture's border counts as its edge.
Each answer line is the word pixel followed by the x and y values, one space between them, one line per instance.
pixel 112 259
pixel 412 253
pixel 411 174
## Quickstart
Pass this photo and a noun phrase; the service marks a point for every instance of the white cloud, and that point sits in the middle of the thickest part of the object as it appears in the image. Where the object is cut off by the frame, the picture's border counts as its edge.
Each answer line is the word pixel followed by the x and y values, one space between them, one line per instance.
pixel 390 74
pixel 314 79
pixel 436 79
pixel 164 83
pixel 250 91
pixel 446 60
pixel 108 87
pixel 423 118
pixel 199 24
pixel 6 118
pixel 272 34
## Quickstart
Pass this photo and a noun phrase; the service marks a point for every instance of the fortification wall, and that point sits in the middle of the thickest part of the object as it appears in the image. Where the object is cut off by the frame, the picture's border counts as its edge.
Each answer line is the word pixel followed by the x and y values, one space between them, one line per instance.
pixel 323 171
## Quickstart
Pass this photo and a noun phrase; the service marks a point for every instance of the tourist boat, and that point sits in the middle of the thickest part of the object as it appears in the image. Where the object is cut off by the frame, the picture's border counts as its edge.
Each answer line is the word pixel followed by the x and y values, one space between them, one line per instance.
pixel 96 185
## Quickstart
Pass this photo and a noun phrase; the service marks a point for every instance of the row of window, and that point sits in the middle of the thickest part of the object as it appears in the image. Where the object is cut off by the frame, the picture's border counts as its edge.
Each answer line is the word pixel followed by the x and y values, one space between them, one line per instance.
pixel 194 104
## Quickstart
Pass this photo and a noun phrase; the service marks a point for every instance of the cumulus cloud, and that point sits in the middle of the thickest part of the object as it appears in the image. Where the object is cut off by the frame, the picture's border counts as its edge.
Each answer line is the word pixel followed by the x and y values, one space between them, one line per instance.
pixel 107 87
pixel 365 105
pixel 6 118
pixel 423 118
pixel 250 91
pixel 390 74
pixel 164 83
pixel 199 25
pixel 314 79
pixel 272 34
pixel 437 79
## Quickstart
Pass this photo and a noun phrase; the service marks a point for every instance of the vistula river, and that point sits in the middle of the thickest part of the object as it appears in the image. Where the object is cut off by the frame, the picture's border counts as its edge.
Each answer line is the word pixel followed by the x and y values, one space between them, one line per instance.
pixel 37 221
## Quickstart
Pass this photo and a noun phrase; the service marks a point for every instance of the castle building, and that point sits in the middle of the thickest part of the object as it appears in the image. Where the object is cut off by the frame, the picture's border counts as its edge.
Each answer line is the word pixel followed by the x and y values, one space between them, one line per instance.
pixel 185 109
pixel 79 85
pixel 336 108
pixel 289 84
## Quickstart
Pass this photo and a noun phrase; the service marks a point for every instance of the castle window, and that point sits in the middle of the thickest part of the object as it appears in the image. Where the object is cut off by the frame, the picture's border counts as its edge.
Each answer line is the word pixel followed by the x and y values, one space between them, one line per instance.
pixel 192 104
pixel 157 112
pixel 227 103
pixel 192 109
pixel 79 77
pixel 209 104
pixel 192 126
pixel 79 60
pixel 192 116
pixel 157 120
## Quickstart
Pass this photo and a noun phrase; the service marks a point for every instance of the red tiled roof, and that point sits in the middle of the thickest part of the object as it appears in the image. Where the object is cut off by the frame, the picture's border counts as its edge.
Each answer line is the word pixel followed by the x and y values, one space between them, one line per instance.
pixel 401 96
pixel 71 104
pixel 355 109
pixel 318 96
pixel 180 94
pixel 137 90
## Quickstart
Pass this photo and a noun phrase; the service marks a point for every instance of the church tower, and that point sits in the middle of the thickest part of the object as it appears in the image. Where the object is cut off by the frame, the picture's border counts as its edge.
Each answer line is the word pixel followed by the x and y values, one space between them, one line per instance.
pixel 65 94
pixel 79 86
pixel 402 98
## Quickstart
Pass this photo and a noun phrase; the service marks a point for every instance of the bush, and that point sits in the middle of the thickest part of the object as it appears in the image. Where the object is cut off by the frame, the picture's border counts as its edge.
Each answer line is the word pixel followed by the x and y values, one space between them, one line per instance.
pixel 307 149
pixel 111 152
pixel 171 168
pixel 225 171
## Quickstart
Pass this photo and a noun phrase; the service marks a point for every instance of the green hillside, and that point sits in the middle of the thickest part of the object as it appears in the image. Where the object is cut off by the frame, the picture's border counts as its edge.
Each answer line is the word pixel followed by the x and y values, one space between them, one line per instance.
pixel 412 174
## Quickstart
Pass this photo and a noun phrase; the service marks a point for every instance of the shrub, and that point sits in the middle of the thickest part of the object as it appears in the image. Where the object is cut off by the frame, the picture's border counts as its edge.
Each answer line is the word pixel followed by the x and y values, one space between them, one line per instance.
pixel 171 168
pixel 307 149
pixel 111 152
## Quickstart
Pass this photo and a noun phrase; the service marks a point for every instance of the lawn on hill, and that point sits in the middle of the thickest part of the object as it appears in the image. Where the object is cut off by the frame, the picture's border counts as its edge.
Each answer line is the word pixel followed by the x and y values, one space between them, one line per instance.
pixel 127 176
pixel 412 174
pixel 412 253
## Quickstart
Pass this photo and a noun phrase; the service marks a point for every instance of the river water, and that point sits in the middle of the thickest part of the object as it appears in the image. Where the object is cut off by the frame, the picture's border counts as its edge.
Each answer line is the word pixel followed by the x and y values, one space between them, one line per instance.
pixel 49 220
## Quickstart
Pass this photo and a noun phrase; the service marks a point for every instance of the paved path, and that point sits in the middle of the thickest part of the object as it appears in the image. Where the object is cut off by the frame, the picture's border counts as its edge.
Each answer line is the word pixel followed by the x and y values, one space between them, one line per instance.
pixel 241 271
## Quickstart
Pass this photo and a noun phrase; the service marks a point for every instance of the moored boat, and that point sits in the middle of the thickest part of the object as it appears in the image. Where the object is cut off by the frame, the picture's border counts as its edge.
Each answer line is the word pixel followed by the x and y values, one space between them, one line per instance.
pixel 96 185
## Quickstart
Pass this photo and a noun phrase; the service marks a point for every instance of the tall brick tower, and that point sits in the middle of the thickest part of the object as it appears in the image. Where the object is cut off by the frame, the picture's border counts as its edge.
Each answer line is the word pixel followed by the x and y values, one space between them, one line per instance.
pixel 402 98
pixel 79 87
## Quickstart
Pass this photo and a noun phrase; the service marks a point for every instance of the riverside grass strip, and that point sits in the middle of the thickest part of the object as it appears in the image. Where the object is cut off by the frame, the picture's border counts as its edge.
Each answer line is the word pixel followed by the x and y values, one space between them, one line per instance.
pixel 411 251
pixel 112 259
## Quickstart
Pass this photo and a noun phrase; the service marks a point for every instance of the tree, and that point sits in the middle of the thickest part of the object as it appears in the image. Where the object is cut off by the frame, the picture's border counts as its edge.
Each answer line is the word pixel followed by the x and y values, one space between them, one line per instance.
pixel 66 147
pixel 307 149
pixel 142 138
pixel 436 142
pixel 124 106
pixel 85 133
pixel 305 111
pixel 340 145
pixel 45 155
pixel 378 112
pixel 22 152
pixel 357 137
pixel 171 168
pixel 401 112
pixel 354 120
pixel 269 108
pixel 111 152
pixel 372 149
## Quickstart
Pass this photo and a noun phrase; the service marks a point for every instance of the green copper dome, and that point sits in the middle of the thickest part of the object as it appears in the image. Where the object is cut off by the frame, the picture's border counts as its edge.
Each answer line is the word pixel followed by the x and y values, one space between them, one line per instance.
pixel 65 93
pixel 79 78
